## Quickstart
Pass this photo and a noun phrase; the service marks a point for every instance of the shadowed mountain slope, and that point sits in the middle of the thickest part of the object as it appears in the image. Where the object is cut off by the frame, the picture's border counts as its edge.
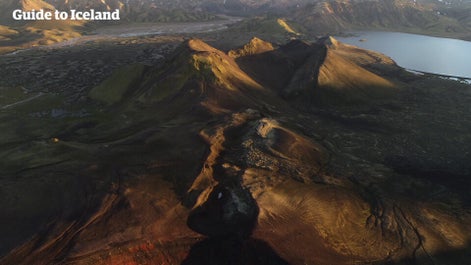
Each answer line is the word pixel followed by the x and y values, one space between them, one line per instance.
pixel 323 71
pixel 242 75
pixel 195 71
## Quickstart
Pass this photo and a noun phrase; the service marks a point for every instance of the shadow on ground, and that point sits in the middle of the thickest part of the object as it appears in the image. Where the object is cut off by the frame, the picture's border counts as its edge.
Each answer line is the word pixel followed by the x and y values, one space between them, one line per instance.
pixel 232 252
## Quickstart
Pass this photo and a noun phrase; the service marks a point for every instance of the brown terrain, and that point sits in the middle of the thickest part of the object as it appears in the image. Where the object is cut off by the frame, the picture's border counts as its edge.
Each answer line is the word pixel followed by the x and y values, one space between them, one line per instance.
pixel 294 153
pixel 301 17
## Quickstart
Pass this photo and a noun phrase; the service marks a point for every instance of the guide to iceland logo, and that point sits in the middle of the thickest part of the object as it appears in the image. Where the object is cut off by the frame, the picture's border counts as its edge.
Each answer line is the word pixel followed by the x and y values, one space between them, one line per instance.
pixel 73 14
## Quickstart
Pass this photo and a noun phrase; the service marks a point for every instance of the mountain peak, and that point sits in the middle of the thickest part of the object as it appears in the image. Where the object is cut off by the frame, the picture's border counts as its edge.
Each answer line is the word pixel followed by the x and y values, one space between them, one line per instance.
pixel 197 74
pixel 28 5
pixel 199 46
pixel 329 41
pixel 286 26
pixel 254 46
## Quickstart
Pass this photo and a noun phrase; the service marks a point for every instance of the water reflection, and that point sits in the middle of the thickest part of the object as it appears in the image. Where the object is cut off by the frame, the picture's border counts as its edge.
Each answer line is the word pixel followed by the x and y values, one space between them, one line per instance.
pixel 417 52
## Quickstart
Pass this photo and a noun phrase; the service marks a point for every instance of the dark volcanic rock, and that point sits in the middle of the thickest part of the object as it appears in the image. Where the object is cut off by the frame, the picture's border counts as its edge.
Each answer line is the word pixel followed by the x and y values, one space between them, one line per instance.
pixel 227 211
pixel 232 252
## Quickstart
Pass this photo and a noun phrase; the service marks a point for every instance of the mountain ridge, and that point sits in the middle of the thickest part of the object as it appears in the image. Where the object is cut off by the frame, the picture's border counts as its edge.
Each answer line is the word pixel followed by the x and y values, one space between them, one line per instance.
pixel 320 68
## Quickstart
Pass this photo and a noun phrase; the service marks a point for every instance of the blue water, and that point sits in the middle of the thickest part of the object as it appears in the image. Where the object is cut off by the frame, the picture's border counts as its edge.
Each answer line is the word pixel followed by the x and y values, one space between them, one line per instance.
pixel 417 52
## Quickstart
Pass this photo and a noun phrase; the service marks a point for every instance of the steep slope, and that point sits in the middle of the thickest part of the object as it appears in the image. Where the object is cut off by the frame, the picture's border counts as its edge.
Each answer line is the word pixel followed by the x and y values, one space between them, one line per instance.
pixel 326 72
pixel 329 17
pixel 255 46
pixel 341 75
pixel 195 71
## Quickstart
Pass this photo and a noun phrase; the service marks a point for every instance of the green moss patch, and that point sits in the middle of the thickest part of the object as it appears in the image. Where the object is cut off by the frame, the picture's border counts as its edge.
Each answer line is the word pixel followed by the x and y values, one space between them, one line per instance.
pixel 113 88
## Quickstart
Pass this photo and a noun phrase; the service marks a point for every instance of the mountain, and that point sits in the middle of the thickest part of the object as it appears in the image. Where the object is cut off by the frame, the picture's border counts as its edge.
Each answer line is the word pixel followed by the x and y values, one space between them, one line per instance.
pixel 312 70
pixel 6 33
pixel 8 6
pixel 293 153
pixel 426 17
pixel 196 65
pixel 300 18
pixel 34 33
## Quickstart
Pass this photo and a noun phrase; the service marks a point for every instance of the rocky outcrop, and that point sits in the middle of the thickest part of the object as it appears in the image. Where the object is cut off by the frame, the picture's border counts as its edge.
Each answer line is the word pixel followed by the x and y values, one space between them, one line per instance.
pixel 224 212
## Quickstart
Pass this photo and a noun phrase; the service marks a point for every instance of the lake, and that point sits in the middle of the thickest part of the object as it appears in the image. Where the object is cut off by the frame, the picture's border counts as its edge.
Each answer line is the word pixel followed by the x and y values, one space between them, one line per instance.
pixel 417 52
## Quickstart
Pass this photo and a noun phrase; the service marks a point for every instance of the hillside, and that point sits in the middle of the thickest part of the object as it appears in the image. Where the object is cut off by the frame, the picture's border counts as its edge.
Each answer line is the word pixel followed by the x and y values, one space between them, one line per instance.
pixel 426 17
pixel 272 20
pixel 8 6
pixel 33 33
pixel 291 153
